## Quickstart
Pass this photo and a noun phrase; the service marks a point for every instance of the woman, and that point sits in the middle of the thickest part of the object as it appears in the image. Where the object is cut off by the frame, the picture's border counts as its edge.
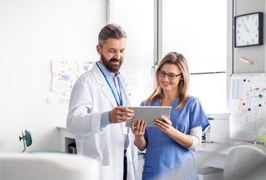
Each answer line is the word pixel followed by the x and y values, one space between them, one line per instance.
pixel 170 145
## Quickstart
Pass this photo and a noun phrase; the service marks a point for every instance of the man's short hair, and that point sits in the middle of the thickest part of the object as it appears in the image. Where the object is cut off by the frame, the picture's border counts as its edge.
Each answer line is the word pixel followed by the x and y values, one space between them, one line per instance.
pixel 111 31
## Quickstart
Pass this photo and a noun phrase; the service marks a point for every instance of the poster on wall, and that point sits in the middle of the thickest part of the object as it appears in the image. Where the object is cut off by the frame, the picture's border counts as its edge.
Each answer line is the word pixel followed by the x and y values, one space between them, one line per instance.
pixel 65 74
pixel 248 106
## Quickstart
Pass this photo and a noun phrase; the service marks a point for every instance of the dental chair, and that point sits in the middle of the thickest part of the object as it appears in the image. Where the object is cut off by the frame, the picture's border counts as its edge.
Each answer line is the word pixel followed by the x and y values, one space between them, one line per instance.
pixel 245 163
pixel 47 166
pixel 26 138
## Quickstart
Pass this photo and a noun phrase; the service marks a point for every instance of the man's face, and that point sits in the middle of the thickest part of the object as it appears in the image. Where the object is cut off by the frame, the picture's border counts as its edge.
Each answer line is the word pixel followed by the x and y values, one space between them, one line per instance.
pixel 112 53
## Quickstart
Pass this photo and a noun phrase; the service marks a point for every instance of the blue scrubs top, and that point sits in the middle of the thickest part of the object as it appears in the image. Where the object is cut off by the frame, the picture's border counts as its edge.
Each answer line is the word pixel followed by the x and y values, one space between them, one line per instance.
pixel 165 158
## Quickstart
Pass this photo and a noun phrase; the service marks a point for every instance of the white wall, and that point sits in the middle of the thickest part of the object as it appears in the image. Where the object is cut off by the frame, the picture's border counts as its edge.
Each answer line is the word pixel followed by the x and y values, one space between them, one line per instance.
pixel 32 34
pixel 254 53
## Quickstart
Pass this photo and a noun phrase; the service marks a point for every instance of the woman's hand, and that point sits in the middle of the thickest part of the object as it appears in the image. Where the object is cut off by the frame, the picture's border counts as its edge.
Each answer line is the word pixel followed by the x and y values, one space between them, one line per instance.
pixel 164 123
pixel 138 128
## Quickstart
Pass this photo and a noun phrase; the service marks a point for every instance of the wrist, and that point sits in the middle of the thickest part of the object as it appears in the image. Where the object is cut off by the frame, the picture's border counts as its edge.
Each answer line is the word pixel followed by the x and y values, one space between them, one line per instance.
pixel 139 137
pixel 109 117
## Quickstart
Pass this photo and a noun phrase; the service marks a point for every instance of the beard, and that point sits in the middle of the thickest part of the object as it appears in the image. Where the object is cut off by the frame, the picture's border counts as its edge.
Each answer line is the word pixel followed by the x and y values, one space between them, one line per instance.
pixel 108 64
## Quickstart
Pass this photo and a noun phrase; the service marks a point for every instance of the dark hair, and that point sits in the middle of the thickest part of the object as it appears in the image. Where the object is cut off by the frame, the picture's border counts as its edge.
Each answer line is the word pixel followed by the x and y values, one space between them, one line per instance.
pixel 111 31
pixel 180 61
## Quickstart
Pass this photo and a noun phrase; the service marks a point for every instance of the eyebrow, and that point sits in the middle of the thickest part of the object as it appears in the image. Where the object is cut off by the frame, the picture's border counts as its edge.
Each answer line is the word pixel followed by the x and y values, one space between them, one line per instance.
pixel 113 49
pixel 170 72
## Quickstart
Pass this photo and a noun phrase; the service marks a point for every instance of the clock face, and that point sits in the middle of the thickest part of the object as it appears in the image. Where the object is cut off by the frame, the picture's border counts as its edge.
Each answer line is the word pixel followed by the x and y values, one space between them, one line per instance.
pixel 248 30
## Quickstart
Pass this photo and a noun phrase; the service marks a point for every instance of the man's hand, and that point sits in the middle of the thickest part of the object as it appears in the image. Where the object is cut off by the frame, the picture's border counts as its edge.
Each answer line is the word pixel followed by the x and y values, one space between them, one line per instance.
pixel 120 114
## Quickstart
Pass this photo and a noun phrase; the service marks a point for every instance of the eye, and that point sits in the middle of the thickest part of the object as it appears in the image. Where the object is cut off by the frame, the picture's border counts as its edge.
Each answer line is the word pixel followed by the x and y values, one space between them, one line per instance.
pixel 162 73
pixel 172 75
pixel 111 50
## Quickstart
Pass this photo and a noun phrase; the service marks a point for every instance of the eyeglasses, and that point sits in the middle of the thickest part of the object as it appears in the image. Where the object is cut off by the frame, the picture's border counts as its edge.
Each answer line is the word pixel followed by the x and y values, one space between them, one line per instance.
pixel 171 76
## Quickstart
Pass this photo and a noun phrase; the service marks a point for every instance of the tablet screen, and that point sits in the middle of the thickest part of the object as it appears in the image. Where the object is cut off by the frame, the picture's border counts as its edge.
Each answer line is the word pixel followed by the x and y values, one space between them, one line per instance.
pixel 149 113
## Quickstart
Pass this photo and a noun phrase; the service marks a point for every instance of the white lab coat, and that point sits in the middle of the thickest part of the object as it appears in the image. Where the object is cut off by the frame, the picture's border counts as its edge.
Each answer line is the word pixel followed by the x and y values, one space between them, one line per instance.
pixel 90 97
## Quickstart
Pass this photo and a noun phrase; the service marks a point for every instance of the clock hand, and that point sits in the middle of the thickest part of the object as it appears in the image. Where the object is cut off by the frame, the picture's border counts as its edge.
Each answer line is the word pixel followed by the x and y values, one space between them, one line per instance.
pixel 246 27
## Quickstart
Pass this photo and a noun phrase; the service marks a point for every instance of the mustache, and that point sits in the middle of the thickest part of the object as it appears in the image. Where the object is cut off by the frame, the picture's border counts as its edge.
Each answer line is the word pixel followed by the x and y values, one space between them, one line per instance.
pixel 114 60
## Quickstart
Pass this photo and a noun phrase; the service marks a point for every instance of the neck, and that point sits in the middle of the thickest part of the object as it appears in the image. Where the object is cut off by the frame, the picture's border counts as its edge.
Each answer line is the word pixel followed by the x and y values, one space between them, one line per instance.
pixel 169 97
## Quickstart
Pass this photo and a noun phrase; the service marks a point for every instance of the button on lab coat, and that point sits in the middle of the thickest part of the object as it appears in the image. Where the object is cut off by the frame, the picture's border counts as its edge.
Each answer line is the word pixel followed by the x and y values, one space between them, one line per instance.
pixel 90 97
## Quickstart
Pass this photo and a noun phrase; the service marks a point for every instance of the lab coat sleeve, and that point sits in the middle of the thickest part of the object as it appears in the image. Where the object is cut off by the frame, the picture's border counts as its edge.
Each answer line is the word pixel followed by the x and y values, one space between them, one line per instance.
pixel 84 115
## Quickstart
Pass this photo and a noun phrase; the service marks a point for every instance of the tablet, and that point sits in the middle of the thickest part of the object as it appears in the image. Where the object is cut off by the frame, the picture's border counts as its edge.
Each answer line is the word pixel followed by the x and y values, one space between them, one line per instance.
pixel 149 113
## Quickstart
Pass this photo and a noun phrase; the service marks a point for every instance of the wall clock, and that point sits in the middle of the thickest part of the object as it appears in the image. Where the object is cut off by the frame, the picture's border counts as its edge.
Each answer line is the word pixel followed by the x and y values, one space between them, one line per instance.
pixel 249 29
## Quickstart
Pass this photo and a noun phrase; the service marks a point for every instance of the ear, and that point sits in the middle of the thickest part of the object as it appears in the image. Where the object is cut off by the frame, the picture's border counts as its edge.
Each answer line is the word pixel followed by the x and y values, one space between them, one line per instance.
pixel 99 49
pixel 182 77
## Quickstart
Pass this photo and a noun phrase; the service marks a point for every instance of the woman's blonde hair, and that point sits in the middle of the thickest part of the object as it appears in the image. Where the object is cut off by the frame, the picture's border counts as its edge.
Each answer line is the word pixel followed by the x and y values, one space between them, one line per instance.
pixel 180 61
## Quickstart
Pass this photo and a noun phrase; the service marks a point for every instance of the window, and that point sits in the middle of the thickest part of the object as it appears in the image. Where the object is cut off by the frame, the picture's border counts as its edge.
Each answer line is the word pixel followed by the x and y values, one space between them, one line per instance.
pixel 198 30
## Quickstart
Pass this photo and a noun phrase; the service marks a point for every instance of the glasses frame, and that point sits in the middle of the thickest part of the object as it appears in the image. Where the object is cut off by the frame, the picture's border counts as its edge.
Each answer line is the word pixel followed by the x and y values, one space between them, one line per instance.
pixel 171 76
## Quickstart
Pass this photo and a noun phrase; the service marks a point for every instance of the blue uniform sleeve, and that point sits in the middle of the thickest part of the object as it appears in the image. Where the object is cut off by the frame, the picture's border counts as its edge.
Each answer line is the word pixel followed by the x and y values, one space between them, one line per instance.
pixel 198 116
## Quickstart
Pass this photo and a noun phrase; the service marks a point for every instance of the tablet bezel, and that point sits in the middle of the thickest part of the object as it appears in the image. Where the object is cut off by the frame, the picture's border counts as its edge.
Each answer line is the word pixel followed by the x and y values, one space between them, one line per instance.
pixel 149 113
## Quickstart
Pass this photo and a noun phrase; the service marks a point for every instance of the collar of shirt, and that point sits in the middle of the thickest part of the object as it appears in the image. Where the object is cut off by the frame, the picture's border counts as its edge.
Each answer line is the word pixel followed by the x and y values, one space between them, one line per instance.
pixel 110 75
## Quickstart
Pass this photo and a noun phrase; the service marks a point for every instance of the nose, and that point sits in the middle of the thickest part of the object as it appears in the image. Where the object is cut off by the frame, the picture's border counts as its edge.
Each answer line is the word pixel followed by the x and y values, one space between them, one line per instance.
pixel 118 55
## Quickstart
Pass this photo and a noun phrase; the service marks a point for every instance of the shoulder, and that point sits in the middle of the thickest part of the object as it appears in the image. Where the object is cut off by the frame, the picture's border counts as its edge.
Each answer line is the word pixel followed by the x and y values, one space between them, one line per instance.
pixel 155 103
pixel 193 101
pixel 88 77
pixel 143 103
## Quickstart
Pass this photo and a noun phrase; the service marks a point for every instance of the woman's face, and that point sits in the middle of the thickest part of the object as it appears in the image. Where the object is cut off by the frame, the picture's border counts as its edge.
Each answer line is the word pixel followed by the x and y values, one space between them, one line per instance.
pixel 169 76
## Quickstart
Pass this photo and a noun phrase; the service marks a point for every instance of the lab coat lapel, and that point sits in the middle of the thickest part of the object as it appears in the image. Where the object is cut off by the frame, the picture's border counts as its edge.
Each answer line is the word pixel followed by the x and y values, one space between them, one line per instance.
pixel 103 85
pixel 107 92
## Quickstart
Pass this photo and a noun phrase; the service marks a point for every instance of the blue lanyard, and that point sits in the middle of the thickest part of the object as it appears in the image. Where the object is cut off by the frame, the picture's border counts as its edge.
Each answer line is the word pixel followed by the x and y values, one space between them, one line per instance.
pixel 120 102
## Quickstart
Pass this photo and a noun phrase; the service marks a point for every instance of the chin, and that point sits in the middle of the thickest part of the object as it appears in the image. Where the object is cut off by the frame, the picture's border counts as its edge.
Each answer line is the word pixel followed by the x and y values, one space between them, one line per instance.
pixel 115 69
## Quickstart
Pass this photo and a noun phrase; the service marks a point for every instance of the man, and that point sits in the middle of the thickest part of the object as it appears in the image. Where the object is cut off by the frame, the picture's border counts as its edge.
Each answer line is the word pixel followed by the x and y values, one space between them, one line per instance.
pixel 98 110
